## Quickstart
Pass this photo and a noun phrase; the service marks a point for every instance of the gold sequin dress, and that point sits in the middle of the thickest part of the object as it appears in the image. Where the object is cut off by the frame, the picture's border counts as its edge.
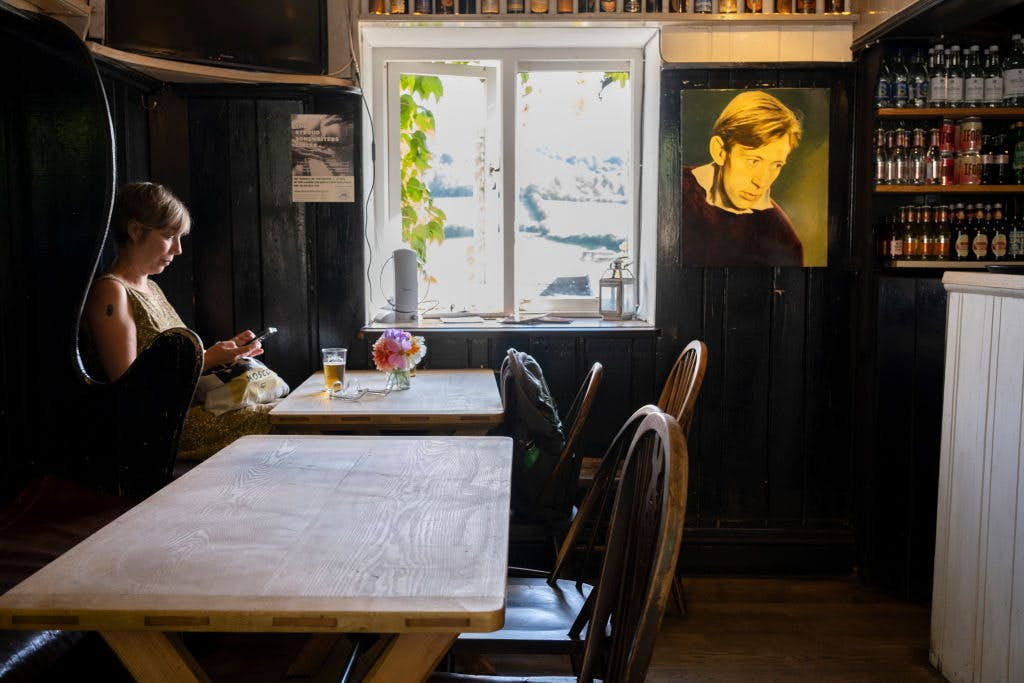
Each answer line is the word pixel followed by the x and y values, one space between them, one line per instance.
pixel 204 433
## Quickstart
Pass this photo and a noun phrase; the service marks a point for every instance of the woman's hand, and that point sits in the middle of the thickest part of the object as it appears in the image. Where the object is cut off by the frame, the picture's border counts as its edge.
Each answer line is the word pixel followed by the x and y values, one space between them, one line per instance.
pixel 227 352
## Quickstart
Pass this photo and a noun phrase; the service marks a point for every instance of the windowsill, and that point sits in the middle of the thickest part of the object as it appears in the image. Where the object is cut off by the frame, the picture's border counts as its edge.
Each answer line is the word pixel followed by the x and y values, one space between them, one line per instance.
pixel 493 325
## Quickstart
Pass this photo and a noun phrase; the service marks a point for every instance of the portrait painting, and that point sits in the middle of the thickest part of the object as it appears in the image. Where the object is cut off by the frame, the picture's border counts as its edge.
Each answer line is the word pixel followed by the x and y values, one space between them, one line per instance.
pixel 754 177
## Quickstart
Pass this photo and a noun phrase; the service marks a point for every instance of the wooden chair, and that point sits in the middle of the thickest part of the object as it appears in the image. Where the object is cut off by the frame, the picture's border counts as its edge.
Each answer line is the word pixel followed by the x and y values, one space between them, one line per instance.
pixel 554 505
pixel 544 612
pixel 643 546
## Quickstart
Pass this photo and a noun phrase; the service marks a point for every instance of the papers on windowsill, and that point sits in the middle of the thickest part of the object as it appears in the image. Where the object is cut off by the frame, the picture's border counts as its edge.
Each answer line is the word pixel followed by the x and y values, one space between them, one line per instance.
pixel 534 319
pixel 463 319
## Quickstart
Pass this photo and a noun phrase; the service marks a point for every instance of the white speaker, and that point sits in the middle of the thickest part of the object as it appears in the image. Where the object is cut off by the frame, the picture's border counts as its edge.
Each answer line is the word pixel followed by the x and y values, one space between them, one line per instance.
pixel 406 294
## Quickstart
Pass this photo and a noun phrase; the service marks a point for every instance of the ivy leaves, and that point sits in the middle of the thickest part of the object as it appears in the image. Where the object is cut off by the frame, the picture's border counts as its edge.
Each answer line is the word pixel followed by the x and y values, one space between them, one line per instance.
pixel 422 221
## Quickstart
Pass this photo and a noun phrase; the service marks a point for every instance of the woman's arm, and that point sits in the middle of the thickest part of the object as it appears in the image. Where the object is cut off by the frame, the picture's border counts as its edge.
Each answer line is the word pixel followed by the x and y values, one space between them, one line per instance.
pixel 109 317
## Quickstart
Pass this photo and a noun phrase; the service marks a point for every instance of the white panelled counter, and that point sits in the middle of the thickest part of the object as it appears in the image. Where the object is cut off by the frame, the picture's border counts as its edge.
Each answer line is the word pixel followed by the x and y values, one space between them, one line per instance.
pixel 977 628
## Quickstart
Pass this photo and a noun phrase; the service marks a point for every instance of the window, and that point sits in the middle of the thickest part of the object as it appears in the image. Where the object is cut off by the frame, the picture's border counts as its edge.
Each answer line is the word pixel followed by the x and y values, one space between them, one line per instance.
pixel 513 173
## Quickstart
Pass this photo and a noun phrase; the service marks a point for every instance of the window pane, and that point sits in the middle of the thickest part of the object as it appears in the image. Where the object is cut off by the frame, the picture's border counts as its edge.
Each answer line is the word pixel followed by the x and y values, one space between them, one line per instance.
pixel 465 266
pixel 574 212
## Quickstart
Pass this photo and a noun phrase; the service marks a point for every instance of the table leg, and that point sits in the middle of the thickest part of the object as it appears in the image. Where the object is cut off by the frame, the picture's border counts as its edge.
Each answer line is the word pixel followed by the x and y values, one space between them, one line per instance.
pixel 410 657
pixel 155 656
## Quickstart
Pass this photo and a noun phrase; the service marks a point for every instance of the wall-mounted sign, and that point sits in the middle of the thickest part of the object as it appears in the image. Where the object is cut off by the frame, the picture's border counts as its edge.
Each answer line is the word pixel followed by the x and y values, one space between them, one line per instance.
pixel 322 163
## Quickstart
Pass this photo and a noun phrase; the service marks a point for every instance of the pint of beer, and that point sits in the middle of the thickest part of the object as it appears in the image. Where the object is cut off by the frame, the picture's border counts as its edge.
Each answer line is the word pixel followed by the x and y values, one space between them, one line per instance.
pixel 334 367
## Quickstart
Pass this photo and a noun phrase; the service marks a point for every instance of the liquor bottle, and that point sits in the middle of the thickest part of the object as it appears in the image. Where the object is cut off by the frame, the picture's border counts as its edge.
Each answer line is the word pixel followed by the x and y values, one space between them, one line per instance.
pixel 899 159
pixel 754 6
pixel 515 7
pixel 702 6
pixel 884 85
pixel 608 5
pixel 943 241
pixel 883 248
pixel 1003 156
pixel 918 80
pixel 783 6
pixel 1013 74
pixel 933 159
pixel 989 171
pixel 900 83
pixel 993 78
pixel 954 78
pixel 678 6
pixel 376 7
pixel 895 239
pixel 422 7
pixel 489 6
pixel 918 159
pixel 396 6
pixel 997 237
pixel 1015 237
pixel 881 158
pixel 911 238
pixel 541 6
pixel 727 6
pixel 1017 155
pixel 961 238
pixel 925 233
pixel 652 6
pixel 974 78
pixel 806 6
pixel 978 231
pixel 446 6
pixel 564 6
pixel 937 79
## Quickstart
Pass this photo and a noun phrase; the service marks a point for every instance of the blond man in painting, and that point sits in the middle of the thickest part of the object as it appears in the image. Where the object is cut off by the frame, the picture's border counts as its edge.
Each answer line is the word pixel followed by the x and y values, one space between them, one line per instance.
pixel 728 215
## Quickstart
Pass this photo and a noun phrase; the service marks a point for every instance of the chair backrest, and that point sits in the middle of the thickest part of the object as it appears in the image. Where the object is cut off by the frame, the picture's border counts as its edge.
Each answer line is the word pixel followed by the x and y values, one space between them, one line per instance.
pixel 559 491
pixel 591 516
pixel 679 395
pixel 640 561
pixel 57 193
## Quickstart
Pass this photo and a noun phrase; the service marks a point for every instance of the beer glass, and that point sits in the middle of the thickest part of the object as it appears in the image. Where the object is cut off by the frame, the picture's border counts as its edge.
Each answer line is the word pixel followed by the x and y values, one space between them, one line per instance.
pixel 334 360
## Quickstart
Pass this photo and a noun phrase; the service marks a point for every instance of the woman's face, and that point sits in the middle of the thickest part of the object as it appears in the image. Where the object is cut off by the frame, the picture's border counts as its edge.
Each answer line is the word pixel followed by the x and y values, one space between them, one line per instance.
pixel 156 248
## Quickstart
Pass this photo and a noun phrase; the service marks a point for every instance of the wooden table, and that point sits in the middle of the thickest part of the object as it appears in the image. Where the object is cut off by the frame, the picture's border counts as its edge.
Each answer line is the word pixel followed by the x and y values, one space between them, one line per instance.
pixel 292 533
pixel 437 401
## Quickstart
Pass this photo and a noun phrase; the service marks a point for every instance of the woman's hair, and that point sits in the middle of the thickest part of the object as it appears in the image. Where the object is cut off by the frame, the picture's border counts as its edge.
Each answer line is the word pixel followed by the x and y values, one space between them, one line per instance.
pixel 754 118
pixel 152 206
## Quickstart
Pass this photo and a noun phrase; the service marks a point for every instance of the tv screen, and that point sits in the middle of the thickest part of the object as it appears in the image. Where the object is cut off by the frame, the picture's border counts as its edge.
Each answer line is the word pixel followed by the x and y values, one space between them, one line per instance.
pixel 269 35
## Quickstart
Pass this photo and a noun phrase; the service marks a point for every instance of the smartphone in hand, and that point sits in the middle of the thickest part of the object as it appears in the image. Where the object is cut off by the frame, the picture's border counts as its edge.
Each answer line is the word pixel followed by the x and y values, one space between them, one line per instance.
pixel 263 335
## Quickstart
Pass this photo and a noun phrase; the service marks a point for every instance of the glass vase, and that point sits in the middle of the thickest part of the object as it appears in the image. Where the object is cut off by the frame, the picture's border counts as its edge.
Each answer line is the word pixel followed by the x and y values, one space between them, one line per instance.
pixel 398 380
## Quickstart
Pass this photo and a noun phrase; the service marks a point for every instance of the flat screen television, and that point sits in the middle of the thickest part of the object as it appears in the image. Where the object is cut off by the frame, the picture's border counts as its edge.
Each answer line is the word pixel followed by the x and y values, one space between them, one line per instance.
pixel 267 35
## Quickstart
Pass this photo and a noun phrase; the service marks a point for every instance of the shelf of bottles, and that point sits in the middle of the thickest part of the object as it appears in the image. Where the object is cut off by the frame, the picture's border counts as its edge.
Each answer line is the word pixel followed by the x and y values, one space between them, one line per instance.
pixel 958 235
pixel 663 10
pixel 951 136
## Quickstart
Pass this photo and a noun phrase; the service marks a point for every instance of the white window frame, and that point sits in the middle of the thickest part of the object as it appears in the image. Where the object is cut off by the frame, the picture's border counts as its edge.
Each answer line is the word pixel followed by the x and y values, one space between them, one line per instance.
pixel 514 50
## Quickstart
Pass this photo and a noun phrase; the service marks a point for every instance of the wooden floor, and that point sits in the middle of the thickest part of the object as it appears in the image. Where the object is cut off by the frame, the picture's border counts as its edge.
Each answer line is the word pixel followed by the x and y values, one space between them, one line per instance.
pixel 735 630
pixel 753 630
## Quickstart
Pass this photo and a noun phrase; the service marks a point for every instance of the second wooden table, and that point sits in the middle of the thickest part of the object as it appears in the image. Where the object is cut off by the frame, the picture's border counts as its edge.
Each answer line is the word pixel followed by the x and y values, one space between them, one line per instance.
pixel 463 402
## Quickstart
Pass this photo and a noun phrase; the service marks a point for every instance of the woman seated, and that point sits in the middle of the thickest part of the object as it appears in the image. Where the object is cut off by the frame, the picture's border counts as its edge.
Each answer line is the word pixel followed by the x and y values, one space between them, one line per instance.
pixel 126 310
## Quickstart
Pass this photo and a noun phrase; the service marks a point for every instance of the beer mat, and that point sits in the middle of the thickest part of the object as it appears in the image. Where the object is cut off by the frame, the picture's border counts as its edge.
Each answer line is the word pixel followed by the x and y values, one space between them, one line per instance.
pixel 464 319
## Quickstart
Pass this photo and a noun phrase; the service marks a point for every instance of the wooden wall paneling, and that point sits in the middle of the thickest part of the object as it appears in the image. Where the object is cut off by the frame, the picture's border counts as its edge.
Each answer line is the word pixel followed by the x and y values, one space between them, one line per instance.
pixel 286 293
pixel 168 144
pixel 10 403
pixel 563 368
pixel 786 400
pixel 711 446
pixel 887 534
pixel 746 301
pixel 922 491
pixel 480 353
pixel 444 351
pixel 213 258
pixel 828 455
pixel 242 226
pixel 615 395
pixel 340 277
